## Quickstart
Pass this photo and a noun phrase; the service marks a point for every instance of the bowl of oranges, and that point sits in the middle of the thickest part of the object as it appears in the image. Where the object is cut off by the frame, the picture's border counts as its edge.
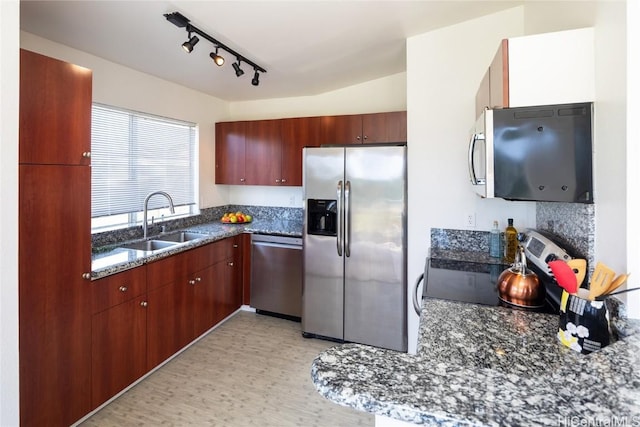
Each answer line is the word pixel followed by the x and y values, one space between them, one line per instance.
pixel 236 218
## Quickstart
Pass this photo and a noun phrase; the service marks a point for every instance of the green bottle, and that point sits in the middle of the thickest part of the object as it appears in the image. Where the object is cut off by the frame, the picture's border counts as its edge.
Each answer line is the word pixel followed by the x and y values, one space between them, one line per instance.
pixel 510 242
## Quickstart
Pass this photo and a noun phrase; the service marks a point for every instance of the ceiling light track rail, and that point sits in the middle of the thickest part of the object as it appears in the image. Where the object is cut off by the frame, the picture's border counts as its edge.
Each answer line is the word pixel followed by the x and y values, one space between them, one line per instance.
pixel 179 20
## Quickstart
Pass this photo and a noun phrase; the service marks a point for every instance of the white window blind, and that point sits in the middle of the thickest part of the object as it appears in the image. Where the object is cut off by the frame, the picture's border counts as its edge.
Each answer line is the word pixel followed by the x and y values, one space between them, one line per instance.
pixel 135 154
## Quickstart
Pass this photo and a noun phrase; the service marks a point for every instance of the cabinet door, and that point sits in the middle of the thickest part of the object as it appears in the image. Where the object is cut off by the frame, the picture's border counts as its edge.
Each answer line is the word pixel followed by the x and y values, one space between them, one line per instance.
pixel 384 127
pixel 297 133
pixel 55 111
pixel 244 260
pixel 54 300
pixel 169 322
pixel 341 130
pixel 263 155
pixel 226 298
pixel 499 77
pixel 119 348
pixel 203 286
pixel 230 153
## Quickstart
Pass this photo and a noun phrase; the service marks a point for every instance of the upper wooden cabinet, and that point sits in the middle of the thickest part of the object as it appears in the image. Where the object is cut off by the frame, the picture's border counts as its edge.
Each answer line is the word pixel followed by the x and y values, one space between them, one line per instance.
pixel 269 152
pixel 230 152
pixel 55 111
pixel 297 133
pixel 263 152
pixel 541 69
pixel 365 128
pixel 494 87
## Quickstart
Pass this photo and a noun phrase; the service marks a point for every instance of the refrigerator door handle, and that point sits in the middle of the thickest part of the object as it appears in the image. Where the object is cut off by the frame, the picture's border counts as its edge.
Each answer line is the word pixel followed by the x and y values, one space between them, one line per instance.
pixel 339 219
pixel 347 218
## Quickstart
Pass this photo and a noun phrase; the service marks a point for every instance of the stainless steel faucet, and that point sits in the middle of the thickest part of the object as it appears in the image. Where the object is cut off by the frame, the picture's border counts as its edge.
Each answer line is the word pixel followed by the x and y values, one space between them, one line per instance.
pixel 146 208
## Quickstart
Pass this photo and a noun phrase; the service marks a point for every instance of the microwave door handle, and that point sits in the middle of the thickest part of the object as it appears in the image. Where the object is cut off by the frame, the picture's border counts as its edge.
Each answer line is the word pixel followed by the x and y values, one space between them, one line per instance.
pixel 347 218
pixel 339 218
pixel 472 170
pixel 416 304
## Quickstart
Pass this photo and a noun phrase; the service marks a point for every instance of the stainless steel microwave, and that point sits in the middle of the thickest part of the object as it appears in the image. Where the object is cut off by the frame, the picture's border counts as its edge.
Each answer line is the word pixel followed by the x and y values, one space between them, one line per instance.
pixel 541 153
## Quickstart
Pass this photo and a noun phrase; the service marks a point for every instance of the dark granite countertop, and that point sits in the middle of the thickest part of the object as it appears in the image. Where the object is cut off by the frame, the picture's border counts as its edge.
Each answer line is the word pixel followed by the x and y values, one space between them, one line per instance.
pixel 481 365
pixel 113 259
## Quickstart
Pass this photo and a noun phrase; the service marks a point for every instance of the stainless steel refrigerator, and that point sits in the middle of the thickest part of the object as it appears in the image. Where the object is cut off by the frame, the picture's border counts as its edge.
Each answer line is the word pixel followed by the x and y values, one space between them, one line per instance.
pixel 354 245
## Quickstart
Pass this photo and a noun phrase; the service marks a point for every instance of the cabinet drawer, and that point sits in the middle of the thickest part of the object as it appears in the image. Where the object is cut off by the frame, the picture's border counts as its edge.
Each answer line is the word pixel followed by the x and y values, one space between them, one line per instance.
pixel 116 289
pixel 179 266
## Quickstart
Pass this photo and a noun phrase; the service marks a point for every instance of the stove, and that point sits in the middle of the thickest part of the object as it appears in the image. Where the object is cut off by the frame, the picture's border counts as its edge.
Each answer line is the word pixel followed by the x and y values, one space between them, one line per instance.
pixel 475 282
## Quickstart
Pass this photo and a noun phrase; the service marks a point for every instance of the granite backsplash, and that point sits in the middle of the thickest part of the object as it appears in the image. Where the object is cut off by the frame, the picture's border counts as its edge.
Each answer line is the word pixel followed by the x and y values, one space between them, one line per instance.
pixel 573 224
pixel 206 215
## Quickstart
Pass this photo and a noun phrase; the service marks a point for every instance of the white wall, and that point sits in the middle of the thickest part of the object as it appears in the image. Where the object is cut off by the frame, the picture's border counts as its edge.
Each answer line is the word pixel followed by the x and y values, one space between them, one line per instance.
pixel 9 83
pixel 444 69
pixel 385 94
pixel 120 86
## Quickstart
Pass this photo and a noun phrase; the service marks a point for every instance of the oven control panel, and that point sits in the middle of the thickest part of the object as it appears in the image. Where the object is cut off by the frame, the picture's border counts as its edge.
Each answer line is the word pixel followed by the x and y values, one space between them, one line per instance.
pixel 540 250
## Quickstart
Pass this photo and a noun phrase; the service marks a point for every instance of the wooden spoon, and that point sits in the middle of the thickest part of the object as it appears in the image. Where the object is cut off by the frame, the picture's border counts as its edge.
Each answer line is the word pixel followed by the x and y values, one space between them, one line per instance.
pixel 617 282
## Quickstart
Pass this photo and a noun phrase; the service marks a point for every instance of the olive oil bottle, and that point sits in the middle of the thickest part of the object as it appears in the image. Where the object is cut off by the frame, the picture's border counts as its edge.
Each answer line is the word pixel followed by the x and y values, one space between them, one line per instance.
pixel 510 242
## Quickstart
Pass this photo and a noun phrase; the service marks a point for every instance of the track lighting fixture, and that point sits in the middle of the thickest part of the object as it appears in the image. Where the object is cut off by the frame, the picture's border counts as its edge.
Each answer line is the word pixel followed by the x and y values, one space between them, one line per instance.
pixel 180 21
pixel 219 60
pixel 189 44
pixel 236 67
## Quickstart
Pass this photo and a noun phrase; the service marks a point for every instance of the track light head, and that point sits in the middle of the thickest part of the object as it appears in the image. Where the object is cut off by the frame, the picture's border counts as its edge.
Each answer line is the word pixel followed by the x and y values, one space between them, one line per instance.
pixel 256 79
pixel 189 44
pixel 236 67
pixel 219 60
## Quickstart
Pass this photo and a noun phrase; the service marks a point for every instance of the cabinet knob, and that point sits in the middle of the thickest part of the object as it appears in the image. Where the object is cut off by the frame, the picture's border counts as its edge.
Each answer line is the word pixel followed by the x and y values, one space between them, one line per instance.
pixel 86 276
pixel 241 179
pixel 231 264
pixel 277 181
pixel 144 304
pixel 366 137
pixel 86 154
pixel 235 245
pixel 358 137
pixel 123 288
pixel 192 282
pixel 198 279
pixel 284 180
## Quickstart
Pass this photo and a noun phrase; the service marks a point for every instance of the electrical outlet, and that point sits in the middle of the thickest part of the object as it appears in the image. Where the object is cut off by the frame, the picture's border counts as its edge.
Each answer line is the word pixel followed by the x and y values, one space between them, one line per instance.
pixel 292 201
pixel 470 220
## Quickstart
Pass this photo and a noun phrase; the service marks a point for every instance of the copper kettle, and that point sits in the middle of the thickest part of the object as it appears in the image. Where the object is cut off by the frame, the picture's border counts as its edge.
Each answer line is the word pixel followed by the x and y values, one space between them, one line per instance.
pixel 519 286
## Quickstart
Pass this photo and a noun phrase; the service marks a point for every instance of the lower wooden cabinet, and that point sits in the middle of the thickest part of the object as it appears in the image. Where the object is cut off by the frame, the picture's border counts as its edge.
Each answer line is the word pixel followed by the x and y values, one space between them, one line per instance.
pixel 118 349
pixel 54 298
pixel 143 316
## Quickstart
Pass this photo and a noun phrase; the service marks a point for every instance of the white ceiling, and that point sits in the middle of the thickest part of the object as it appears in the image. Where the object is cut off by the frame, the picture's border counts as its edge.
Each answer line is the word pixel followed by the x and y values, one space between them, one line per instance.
pixel 307 47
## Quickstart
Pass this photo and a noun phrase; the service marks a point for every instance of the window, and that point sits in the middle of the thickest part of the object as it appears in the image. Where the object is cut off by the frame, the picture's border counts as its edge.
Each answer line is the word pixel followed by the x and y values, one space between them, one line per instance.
pixel 134 154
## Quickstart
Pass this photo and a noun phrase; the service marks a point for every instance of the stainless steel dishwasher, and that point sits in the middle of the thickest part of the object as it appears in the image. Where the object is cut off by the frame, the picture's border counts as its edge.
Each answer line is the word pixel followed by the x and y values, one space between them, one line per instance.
pixel 276 275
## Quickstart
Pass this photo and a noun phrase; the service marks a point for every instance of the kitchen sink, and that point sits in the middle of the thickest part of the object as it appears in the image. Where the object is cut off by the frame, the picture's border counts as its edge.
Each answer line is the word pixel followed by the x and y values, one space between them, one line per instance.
pixel 181 237
pixel 149 245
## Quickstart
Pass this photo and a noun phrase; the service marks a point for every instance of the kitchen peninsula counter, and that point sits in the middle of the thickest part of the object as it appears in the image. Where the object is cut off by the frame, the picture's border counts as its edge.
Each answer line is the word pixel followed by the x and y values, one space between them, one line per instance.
pixel 481 365
pixel 113 259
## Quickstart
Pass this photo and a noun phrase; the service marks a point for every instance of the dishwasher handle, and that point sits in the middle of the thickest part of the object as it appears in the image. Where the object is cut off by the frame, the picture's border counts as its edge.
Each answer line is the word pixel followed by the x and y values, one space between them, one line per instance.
pixel 277 245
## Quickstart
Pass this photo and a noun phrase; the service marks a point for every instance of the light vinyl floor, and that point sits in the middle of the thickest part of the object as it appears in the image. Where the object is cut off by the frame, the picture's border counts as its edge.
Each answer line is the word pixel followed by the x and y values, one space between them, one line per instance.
pixel 253 370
